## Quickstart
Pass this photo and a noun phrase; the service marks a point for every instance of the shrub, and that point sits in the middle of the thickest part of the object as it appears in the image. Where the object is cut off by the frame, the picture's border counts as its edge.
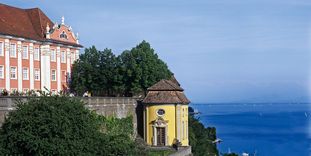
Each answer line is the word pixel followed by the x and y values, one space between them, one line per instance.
pixel 201 138
pixel 59 125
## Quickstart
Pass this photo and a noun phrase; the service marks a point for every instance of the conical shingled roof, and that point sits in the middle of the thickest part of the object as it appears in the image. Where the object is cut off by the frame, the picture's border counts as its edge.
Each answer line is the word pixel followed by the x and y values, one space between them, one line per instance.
pixel 165 92
pixel 173 79
pixel 165 85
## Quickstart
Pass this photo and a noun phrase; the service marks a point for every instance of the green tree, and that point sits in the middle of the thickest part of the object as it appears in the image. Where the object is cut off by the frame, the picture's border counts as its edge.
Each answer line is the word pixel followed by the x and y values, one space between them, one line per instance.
pixel 85 72
pixel 128 74
pixel 142 68
pixel 201 138
pixel 59 125
pixel 98 72
pixel 110 79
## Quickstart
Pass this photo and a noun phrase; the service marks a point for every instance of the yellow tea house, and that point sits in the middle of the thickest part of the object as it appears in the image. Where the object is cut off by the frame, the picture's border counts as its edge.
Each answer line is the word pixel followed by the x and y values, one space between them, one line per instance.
pixel 166 114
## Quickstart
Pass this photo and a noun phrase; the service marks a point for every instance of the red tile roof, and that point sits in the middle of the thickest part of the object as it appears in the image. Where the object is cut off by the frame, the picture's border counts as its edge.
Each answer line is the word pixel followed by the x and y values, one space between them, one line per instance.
pixel 25 23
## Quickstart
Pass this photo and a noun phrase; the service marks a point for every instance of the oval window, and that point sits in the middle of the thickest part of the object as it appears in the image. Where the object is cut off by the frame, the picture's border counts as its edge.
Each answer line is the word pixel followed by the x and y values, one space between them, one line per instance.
pixel 161 112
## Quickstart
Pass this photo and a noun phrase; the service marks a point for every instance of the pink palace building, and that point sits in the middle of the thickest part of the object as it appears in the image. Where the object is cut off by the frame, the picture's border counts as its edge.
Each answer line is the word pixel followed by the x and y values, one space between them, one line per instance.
pixel 35 53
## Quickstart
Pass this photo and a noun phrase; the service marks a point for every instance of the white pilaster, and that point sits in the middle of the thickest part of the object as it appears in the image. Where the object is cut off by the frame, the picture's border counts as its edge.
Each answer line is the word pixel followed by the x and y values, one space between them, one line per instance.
pixel 45 68
pixel 68 61
pixel 7 64
pixel 178 121
pixel 154 135
pixel 31 67
pixel 77 54
pixel 59 87
pixel 19 67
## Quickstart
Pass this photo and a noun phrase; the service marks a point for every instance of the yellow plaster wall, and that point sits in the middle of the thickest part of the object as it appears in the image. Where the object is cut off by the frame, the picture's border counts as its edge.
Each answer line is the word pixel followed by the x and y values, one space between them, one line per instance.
pixel 169 116
pixel 185 130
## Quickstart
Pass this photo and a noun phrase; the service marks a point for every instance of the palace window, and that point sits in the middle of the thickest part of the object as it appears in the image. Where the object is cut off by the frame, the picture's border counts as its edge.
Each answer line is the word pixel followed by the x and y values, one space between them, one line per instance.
pixel 25 74
pixel 72 59
pixel 13 50
pixel 1 72
pixel 63 35
pixel 37 74
pixel 53 55
pixel 13 73
pixel 37 54
pixel 53 75
pixel 63 57
pixel 25 52
pixel 68 76
pixel 1 49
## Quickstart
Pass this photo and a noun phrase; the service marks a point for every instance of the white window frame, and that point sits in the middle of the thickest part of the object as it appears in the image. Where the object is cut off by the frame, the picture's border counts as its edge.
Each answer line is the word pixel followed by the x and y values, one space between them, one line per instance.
pixel 63 35
pixel 53 55
pixel 13 78
pixel 63 57
pixel 11 50
pixel 1 49
pixel 23 52
pixel 2 72
pixel 36 54
pixel 39 74
pixel 53 75
pixel 72 57
pixel 23 72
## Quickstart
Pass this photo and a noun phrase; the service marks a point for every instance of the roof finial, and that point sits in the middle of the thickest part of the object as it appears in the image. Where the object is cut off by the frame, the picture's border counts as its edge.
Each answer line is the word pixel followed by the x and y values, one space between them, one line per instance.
pixel 77 38
pixel 47 28
pixel 47 35
pixel 63 20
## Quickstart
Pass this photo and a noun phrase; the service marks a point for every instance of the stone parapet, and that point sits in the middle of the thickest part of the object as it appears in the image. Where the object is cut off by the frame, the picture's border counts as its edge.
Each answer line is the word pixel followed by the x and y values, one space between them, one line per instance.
pixel 119 107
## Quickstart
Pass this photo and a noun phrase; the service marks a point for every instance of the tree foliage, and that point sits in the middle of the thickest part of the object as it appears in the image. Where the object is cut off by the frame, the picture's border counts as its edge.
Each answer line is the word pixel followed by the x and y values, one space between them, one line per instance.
pixel 59 125
pixel 96 71
pixel 130 73
pixel 201 138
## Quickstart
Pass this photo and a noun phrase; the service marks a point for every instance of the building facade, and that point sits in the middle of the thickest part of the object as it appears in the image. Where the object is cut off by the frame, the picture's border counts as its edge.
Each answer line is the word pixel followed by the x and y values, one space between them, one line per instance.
pixel 35 53
pixel 166 114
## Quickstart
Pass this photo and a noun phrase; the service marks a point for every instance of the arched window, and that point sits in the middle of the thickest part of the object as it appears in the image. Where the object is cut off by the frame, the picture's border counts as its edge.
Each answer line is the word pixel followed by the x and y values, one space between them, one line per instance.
pixel 63 35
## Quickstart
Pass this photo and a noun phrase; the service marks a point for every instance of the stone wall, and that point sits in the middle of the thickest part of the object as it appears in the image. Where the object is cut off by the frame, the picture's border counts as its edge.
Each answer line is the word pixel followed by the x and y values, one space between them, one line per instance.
pixel 107 106
pixel 183 151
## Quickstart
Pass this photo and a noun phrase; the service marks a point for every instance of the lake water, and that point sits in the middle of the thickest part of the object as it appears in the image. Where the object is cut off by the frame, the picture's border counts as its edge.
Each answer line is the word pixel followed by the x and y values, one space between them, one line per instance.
pixel 265 129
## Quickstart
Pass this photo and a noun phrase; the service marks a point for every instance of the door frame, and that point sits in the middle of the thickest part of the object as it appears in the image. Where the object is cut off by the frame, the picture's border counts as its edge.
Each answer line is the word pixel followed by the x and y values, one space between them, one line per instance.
pixel 155 126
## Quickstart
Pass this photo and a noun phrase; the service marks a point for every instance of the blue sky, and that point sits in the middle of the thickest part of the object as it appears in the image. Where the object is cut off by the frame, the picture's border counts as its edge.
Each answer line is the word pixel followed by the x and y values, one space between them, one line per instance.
pixel 220 50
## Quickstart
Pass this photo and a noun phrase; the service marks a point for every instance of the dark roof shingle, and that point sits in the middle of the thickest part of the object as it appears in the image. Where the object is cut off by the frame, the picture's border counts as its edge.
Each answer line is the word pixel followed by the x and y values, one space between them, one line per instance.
pixel 165 92
pixel 165 85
